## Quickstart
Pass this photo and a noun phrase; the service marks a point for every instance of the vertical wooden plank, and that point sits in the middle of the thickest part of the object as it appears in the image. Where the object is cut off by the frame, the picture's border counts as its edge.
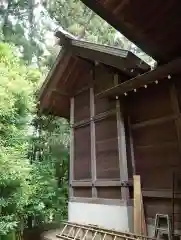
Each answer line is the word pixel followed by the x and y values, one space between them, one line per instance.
pixel 72 157
pixel 121 145
pixel 138 214
pixel 176 110
pixel 137 205
pixel 143 220
pixel 93 141
pixel 131 146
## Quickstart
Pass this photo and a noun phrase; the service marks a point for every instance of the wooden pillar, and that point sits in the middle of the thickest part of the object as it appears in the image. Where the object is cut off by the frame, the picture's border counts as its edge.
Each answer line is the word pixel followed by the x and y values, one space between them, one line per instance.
pixel 176 110
pixel 131 148
pixel 93 140
pixel 121 145
pixel 71 163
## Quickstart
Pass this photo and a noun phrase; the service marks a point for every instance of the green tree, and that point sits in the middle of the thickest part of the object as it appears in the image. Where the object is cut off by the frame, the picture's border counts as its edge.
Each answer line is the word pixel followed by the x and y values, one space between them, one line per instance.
pixel 15 106
pixel 21 24
pixel 34 186
pixel 79 20
pixel 15 102
pixel 37 189
pixel 49 157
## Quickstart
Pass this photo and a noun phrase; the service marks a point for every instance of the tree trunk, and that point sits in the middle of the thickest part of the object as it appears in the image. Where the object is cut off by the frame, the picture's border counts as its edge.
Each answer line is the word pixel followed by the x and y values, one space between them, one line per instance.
pixel 30 222
pixel 6 18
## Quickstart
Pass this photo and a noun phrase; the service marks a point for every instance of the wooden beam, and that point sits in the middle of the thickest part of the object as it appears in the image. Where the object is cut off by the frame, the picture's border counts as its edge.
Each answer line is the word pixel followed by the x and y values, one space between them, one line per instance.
pixel 109 183
pixel 72 157
pixel 139 217
pixel 111 56
pixel 102 183
pixel 153 122
pixel 54 76
pixel 104 54
pixel 159 193
pixel 53 71
pixel 160 73
pixel 120 6
pixel 84 89
pixel 156 168
pixel 137 204
pixel 131 148
pixel 107 140
pixel 121 145
pixel 120 24
pixel 99 48
pixel 115 202
pixel 113 183
pixel 72 68
pixel 104 115
pixel 120 58
pixel 158 145
pixel 148 193
pixel 143 220
pixel 93 142
pixel 176 110
pixel 78 183
pixel 111 59
pixel 81 123
pixel 60 93
pixel 102 57
pixel 95 118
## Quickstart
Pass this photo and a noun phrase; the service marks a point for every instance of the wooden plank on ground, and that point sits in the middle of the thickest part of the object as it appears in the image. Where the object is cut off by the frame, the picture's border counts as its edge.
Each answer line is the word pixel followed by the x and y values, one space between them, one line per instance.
pixel 137 205
pixel 139 218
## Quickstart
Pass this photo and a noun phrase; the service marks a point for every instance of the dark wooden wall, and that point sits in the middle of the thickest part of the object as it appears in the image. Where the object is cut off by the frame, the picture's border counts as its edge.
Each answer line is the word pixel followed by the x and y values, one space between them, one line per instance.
pixel 149 119
pixel 96 156
pixel 155 124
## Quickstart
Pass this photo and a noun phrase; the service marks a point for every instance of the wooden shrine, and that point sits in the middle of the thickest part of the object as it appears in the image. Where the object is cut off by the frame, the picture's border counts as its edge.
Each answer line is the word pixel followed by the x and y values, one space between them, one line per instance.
pixel 125 118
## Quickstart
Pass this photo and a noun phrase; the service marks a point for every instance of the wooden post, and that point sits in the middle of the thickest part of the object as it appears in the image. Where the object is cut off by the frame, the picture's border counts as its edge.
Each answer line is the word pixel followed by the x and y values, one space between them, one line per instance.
pixel 137 205
pixel 121 145
pixel 139 216
pixel 93 142
pixel 131 148
pixel 71 164
pixel 176 110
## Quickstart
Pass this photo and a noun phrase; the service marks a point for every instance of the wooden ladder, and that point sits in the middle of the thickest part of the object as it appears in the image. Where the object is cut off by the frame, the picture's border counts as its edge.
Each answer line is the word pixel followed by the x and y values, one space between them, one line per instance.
pixel 74 231
pixel 162 228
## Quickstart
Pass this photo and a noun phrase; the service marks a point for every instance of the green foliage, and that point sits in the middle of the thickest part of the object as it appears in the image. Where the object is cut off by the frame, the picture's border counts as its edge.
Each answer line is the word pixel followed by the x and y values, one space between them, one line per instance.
pixel 16 102
pixel 21 27
pixel 13 187
pixel 49 159
pixel 33 150
pixel 79 20
pixel 16 97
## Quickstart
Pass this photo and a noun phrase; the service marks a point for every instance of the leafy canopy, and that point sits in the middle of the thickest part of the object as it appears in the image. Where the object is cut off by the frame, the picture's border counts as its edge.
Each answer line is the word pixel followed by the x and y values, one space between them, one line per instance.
pixel 33 150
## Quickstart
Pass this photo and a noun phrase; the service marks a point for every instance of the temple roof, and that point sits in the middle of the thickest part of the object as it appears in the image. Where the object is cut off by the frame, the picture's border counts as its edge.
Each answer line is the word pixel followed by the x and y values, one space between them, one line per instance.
pixel 76 58
pixel 154 26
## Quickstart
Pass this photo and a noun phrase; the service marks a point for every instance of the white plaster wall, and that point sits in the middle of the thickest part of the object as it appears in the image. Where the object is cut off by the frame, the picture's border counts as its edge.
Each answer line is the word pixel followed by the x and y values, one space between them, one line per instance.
pixel 151 229
pixel 108 216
